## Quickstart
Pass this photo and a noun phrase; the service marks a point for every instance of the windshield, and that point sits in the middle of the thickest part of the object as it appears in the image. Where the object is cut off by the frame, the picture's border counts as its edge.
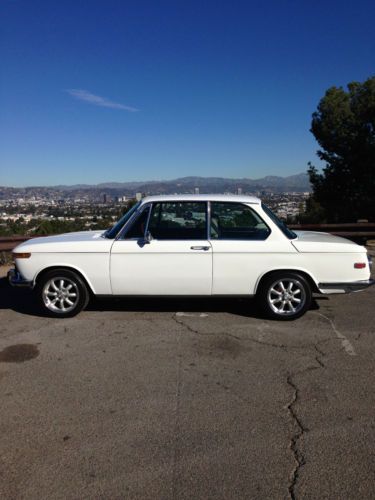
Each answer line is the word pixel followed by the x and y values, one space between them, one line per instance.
pixel 113 231
pixel 280 224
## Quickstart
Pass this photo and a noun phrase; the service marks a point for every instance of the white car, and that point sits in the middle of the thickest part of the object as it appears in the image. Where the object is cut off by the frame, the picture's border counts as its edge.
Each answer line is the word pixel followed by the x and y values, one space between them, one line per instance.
pixel 192 245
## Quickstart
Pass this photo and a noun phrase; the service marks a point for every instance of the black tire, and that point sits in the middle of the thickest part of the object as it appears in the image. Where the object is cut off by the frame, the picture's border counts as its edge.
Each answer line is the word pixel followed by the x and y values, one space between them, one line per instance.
pixel 284 295
pixel 61 293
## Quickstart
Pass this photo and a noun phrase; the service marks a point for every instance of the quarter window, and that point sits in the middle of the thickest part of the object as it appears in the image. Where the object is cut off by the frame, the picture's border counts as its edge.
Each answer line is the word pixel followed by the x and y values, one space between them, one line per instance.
pixel 235 221
pixel 179 221
pixel 138 228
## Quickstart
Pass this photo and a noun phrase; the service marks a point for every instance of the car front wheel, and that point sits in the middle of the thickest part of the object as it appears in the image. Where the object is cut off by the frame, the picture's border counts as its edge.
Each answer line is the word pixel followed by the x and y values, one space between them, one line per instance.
pixel 284 296
pixel 62 293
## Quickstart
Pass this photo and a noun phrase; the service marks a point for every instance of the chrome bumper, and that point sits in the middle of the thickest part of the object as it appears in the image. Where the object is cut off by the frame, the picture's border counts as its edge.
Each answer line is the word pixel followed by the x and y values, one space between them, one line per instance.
pixel 354 286
pixel 15 279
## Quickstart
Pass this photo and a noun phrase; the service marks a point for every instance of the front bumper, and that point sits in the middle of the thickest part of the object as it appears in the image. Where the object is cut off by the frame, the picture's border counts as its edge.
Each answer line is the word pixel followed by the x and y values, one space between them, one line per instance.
pixel 15 279
pixel 353 286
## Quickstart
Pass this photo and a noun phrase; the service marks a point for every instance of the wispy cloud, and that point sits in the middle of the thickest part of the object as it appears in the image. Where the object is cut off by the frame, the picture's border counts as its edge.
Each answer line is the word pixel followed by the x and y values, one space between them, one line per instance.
pixel 85 95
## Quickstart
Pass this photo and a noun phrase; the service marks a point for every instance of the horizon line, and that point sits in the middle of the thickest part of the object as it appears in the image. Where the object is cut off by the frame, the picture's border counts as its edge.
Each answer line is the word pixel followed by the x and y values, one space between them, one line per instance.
pixel 150 181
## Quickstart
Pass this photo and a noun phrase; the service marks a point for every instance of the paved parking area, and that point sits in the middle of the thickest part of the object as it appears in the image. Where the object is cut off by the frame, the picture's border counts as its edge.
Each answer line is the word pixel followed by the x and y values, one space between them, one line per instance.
pixel 174 399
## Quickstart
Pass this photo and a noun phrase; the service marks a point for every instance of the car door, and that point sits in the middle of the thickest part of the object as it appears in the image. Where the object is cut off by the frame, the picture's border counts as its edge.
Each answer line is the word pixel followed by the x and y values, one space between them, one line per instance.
pixel 175 259
pixel 243 248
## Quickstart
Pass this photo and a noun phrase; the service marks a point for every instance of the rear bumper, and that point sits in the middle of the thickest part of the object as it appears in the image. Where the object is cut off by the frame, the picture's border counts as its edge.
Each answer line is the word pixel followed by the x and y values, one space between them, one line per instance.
pixel 353 286
pixel 15 279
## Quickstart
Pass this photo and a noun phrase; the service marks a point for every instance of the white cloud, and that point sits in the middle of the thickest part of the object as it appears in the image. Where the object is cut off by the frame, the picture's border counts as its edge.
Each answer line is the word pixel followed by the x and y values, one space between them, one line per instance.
pixel 85 95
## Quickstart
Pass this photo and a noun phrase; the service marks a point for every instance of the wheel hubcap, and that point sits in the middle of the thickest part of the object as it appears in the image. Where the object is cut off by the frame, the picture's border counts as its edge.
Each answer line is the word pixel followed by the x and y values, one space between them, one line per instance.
pixel 286 297
pixel 60 295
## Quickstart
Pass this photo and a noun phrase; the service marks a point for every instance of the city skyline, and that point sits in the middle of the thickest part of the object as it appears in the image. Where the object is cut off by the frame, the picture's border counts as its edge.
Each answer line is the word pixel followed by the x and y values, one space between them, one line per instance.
pixel 127 91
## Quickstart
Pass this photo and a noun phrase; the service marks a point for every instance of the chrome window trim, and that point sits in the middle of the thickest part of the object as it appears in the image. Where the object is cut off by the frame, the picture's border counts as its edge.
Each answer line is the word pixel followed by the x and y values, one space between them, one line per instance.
pixel 208 220
pixel 149 217
pixel 122 233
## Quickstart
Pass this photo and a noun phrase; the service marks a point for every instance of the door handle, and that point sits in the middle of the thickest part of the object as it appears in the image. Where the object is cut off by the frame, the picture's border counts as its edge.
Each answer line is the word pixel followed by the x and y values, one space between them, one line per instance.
pixel 200 248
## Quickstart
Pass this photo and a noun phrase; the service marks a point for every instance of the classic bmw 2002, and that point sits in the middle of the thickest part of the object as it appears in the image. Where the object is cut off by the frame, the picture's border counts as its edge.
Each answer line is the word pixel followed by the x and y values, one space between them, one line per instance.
pixel 198 245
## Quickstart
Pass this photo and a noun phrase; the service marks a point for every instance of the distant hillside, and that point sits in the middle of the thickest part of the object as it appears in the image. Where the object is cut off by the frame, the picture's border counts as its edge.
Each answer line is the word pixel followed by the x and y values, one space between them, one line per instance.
pixel 274 184
pixel 299 183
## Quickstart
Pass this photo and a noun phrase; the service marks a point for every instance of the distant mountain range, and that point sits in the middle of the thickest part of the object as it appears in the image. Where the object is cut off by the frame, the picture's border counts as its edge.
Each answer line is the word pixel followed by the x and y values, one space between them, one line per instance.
pixel 299 183
pixel 271 183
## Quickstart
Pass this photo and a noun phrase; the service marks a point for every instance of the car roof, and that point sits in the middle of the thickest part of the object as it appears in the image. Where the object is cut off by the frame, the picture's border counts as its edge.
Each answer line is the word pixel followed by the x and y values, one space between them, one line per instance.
pixel 203 197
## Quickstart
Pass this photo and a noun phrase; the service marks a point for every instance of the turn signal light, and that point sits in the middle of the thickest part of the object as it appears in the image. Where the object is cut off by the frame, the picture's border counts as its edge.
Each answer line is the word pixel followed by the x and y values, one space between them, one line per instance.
pixel 359 265
pixel 21 255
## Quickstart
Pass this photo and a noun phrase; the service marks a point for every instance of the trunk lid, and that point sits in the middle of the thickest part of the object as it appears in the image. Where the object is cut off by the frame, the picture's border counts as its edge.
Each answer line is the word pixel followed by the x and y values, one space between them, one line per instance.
pixel 315 242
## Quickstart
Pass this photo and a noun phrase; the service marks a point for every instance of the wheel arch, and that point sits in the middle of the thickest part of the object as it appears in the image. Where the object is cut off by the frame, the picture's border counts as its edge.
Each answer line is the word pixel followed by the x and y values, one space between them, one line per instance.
pixel 84 278
pixel 309 278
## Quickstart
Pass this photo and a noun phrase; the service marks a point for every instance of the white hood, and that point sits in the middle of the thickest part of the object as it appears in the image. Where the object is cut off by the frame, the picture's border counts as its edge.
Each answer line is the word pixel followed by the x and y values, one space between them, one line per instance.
pixel 83 241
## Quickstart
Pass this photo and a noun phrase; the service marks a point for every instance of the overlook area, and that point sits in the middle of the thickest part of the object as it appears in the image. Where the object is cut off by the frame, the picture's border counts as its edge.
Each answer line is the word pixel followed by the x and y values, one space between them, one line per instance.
pixel 187 220
pixel 172 398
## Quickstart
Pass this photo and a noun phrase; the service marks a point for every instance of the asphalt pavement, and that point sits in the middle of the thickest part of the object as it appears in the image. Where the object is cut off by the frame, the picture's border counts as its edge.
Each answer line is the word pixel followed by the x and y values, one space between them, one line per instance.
pixel 187 399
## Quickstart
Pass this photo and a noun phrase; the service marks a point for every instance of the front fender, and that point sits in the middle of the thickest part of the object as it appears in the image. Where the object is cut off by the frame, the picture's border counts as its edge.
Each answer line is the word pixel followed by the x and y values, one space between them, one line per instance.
pixel 93 267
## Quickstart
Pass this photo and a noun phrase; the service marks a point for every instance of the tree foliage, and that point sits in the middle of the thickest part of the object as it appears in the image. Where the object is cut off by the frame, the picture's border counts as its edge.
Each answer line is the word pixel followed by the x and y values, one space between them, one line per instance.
pixel 344 126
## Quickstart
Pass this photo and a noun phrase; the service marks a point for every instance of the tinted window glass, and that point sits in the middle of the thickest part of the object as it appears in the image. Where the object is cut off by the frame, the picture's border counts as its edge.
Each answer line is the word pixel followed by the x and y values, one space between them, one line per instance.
pixel 137 229
pixel 112 233
pixel 179 221
pixel 235 221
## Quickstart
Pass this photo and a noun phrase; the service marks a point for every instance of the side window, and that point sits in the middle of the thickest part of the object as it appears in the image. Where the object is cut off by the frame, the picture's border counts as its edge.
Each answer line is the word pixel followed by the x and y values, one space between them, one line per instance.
pixel 137 229
pixel 235 221
pixel 179 221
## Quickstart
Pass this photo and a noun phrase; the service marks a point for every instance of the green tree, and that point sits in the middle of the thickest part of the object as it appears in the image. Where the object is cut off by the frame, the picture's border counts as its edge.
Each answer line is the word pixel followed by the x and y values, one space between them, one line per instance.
pixel 313 213
pixel 344 126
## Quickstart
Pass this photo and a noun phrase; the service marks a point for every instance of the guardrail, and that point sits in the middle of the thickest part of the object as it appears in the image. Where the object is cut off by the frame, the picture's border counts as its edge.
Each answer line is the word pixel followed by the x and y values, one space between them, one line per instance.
pixel 358 231
pixel 7 243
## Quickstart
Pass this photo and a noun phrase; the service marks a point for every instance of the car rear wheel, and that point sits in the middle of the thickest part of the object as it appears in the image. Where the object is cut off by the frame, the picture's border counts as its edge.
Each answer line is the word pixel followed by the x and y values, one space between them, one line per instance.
pixel 284 296
pixel 62 293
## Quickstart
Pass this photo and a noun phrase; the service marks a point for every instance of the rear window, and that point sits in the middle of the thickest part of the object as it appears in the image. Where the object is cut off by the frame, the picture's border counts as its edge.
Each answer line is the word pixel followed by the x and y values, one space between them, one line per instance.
pixel 236 221
pixel 280 224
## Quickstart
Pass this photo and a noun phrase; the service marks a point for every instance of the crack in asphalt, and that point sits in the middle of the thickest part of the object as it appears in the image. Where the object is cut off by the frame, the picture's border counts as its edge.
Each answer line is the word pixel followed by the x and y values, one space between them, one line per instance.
pixel 210 334
pixel 283 347
pixel 301 428
pixel 347 346
pixel 299 457
pixel 321 354
pixel 293 445
pixel 176 422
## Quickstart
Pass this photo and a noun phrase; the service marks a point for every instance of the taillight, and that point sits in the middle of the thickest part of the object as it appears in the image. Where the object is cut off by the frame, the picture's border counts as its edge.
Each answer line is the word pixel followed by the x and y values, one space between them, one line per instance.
pixel 359 265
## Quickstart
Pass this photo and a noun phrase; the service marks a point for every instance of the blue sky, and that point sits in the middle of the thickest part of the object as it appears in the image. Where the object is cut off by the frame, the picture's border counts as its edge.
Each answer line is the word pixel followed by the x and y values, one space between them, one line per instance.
pixel 95 91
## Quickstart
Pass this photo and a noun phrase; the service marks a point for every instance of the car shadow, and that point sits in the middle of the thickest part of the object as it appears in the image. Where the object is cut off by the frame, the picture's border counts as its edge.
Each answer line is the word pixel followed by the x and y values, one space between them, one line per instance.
pixel 23 301
pixel 237 306
pixel 17 299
